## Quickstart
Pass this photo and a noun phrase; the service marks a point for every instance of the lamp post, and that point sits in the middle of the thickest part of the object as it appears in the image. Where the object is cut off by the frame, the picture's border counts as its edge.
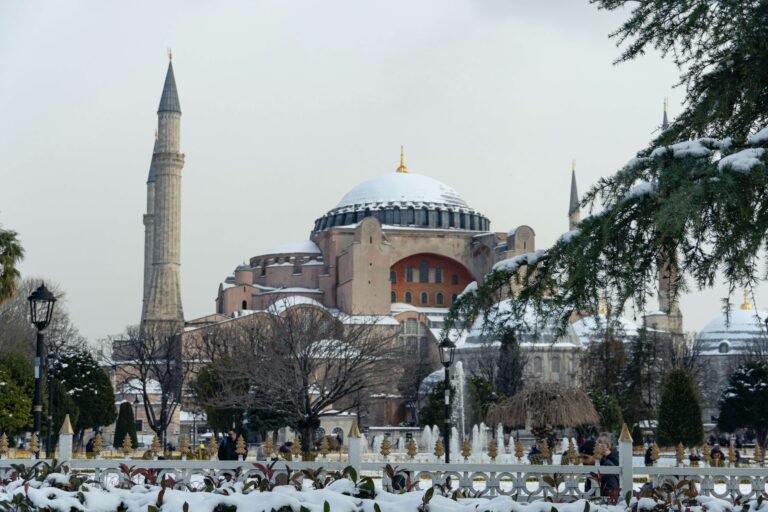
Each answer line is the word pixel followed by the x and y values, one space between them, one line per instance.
pixel 41 303
pixel 136 403
pixel 50 359
pixel 447 353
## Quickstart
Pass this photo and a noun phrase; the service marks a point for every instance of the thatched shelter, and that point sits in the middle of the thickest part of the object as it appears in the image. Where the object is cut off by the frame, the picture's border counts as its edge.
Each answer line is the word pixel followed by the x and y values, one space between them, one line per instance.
pixel 544 406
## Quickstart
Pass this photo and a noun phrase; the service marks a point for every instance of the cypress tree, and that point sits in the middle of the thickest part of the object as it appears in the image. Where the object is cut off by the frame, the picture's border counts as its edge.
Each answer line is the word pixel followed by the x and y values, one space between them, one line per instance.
pixel 126 424
pixel 679 411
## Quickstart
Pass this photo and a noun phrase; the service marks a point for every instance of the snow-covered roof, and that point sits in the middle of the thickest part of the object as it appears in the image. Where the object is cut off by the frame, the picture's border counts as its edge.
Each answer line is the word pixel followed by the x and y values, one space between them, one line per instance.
pixel 134 386
pixel 528 332
pixel 737 334
pixel 402 187
pixel 304 247
pixel 590 329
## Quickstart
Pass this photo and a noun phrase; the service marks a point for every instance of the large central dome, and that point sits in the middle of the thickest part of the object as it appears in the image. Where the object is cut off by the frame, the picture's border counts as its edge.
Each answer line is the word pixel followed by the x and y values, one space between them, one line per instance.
pixel 404 199
pixel 401 187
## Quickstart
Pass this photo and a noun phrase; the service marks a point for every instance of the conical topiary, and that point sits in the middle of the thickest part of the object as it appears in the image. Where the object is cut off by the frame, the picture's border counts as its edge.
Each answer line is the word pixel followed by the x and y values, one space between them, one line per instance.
pixel 125 424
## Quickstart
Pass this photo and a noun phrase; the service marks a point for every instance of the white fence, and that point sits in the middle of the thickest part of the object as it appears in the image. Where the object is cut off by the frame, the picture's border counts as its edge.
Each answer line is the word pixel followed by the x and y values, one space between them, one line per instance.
pixel 525 481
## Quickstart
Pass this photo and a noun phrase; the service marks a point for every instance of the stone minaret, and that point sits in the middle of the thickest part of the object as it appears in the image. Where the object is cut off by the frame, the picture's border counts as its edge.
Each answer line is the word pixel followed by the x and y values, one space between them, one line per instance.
pixel 149 231
pixel 163 306
pixel 665 119
pixel 574 214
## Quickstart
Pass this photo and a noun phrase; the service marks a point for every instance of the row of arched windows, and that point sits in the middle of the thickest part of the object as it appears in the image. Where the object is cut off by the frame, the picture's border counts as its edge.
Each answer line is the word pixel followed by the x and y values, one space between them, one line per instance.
pixel 426 217
pixel 423 274
pixel 423 298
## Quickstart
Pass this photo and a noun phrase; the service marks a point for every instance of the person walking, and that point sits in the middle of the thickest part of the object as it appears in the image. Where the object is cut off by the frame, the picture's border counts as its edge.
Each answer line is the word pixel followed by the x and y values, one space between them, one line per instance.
pixel 609 484
pixel 228 447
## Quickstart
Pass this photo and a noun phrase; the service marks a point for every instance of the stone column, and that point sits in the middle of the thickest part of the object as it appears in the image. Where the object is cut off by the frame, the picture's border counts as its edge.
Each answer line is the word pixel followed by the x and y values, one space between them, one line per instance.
pixel 625 460
pixel 65 440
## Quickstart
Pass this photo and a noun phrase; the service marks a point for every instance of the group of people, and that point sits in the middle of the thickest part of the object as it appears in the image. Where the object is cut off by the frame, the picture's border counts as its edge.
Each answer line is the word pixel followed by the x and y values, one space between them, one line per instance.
pixel 609 484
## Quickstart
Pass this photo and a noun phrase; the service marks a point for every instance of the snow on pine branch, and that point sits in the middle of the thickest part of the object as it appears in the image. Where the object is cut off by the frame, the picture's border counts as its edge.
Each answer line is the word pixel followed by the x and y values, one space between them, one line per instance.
pixel 514 264
pixel 742 161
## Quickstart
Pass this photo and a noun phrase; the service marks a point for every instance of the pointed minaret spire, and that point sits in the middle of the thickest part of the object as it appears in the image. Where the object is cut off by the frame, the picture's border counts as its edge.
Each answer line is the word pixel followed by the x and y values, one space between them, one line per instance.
pixel 665 120
pixel 169 101
pixel 574 215
pixel 402 167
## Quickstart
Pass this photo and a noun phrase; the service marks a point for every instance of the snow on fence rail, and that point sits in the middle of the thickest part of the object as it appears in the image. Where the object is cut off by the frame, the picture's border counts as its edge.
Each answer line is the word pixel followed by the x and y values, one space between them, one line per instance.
pixel 527 482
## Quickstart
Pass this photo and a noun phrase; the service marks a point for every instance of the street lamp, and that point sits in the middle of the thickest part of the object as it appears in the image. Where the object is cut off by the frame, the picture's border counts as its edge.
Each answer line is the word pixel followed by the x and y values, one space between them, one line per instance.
pixel 50 359
pixel 447 353
pixel 136 403
pixel 40 311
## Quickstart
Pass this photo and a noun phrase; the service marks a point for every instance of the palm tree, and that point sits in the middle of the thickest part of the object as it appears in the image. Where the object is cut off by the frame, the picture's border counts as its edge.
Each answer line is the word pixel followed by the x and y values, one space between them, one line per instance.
pixel 11 254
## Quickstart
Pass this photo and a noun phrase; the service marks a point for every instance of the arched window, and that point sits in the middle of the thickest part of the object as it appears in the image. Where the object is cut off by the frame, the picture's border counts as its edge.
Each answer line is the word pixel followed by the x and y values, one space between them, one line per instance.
pixel 724 347
pixel 408 298
pixel 424 271
pixel 438 274
pixel 339 433
pixel 245 305
pixel 555 364
pixel 439 299
pixel 393 297
pixel 454 297
pixel 409 273
pixel 537 365
pixel 424 297
pixel 392 276
pixel 409 216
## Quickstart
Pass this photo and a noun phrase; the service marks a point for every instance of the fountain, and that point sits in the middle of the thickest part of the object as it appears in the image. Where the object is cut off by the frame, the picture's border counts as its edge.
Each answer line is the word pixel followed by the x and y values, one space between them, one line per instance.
pixel 455 444
pixel 426 442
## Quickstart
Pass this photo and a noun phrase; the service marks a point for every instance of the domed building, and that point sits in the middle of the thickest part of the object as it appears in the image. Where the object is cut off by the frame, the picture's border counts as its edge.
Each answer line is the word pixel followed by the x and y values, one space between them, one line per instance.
pixel 722 345
pixel 401 243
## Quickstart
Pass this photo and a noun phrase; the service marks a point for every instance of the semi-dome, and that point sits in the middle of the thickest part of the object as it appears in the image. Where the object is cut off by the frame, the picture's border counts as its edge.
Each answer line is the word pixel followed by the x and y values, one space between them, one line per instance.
pixel 404 199
pixel 742 332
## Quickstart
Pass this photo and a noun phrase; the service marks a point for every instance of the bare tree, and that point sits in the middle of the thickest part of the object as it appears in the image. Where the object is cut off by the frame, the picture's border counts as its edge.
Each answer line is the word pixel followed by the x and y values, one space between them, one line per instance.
pixel 151 362
pixel 17 333
pixel 302 360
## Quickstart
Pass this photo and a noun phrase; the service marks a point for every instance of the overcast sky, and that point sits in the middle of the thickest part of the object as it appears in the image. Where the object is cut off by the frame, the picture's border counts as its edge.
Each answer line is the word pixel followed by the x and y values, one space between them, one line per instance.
pixel 288 105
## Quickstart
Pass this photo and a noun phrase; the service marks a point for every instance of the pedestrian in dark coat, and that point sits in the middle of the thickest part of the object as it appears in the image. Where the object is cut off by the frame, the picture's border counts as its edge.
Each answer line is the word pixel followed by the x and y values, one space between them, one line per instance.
pixel 228 447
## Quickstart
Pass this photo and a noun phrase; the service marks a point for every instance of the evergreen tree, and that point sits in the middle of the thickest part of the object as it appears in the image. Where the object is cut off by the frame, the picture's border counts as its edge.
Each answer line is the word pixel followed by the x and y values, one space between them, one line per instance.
pixel 679 411
pixel 90 388
pixel 63 404
pixel 609 411
pixel 480 390
pixel 510 365
pixel 126 424
pixel 744 401
pixel 695 208
pixel 15 405
pixel 636 380
pixel 433 413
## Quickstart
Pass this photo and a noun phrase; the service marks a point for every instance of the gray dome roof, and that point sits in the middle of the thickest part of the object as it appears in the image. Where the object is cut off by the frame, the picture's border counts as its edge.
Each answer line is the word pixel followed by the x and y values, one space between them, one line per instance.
pixel 405 199
pixel 737 334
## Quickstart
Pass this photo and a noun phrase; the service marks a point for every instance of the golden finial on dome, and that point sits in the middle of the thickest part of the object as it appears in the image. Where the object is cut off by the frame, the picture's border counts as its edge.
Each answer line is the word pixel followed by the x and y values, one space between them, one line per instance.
pixel 170 54
pixel 573 165
pixel 402 167
pixel 746 306
pixel 666 103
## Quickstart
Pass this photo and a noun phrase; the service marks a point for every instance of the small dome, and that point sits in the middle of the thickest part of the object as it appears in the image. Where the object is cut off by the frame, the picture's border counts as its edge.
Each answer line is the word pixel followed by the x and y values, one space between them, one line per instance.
pixel 590 330
pixel 401 187
pixel 737 334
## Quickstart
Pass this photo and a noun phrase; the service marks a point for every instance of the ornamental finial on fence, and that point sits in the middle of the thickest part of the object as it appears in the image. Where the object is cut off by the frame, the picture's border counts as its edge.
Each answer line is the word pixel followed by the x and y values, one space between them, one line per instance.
pixel 519 450
pixel 655 453
pixel 98 444
pixel 325 446
pixel 127 447
pixel 573 456
pixel 493 450
pixel 413 448
pixel 466 449
pixel 545 453
pixel 731 453
pixel 386 447
pixel 213 447
pixel 35 444
pixel 707 456
pixel 354 430
pixel 240 448
pixel 295 447
pixel 3 445
pixel 759 455
pixel 680 453
pixel 184 445
pixel 155 447
pixel 439 449
pixel 268 446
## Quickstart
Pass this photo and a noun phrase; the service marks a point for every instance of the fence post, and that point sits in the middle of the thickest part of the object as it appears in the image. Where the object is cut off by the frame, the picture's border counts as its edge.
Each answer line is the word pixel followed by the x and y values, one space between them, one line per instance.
pixel 625 460
pixel 65 440
pixel 355 443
